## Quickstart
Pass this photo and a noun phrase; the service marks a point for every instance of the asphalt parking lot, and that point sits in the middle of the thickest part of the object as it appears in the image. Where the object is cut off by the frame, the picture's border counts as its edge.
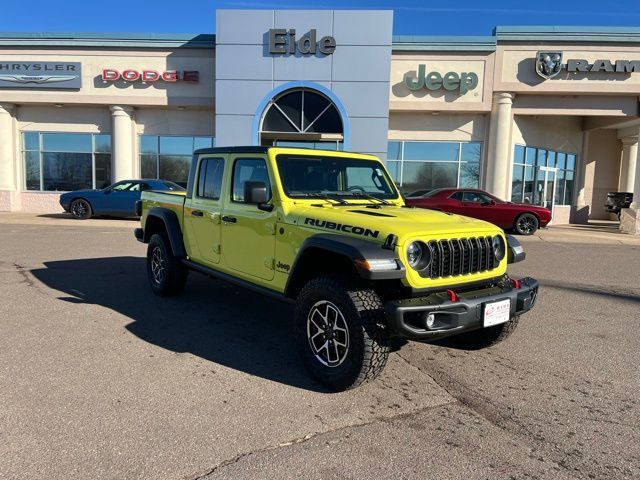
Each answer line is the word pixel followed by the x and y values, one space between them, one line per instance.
pixel 100 379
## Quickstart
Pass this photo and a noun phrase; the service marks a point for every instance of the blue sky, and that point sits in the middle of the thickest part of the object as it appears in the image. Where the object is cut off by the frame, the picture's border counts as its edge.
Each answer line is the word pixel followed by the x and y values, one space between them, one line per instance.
pixel 457 17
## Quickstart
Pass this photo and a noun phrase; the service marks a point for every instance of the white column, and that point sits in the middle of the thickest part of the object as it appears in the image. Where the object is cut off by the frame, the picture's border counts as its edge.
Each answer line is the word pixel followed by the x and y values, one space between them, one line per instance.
pixel 7 160
pixel 499 152
pixel 628 166
pixel 122 138
pixel 630 217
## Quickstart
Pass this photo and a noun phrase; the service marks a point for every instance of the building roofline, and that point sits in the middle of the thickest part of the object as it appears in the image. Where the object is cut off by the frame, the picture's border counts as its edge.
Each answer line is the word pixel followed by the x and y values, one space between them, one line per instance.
pixel 118 40
pixel 576 34
pixel 450 43
pixel 400 43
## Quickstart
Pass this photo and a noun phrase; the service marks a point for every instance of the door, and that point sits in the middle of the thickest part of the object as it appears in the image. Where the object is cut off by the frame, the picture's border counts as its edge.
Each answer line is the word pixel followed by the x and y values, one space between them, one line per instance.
pixel 248 233
pixel 203 211
pixel 482 206
pixel 121 198
pixel 545 187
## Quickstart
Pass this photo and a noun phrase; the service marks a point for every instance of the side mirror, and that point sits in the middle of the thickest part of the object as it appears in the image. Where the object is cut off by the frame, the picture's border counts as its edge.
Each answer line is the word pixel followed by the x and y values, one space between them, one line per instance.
pixel 490 202
pixel 107 191
pixel 255 193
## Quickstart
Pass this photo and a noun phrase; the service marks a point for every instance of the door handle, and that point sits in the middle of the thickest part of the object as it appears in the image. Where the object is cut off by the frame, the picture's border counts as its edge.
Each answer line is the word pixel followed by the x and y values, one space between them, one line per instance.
pixel 228 219
pixel 197 213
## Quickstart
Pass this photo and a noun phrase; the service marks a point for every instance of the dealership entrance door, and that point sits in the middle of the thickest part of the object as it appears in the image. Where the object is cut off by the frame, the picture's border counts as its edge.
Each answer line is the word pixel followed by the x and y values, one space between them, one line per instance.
pixel 302 117
pixel 545 187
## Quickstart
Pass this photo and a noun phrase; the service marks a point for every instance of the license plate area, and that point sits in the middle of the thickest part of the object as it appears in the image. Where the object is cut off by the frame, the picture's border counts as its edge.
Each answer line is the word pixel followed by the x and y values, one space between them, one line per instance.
pixel 496 313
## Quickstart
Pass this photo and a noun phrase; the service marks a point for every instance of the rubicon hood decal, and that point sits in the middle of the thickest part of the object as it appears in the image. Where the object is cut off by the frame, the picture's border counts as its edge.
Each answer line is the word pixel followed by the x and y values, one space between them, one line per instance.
pixel 342 227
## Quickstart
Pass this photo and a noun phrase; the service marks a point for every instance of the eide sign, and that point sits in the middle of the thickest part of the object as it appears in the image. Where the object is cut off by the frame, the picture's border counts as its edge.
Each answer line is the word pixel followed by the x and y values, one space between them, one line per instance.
pixel 283 42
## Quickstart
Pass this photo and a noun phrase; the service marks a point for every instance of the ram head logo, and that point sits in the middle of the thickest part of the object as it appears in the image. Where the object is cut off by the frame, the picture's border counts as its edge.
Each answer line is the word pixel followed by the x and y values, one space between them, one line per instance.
pixel 548 64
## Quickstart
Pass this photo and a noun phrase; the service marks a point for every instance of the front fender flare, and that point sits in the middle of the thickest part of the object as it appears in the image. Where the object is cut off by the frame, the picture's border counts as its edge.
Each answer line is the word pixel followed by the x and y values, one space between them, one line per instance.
pixel 357 251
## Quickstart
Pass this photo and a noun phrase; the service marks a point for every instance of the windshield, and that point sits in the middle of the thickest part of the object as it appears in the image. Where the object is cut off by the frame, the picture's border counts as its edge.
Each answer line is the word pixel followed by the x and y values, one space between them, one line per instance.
pixel 308 176
pixel 173 186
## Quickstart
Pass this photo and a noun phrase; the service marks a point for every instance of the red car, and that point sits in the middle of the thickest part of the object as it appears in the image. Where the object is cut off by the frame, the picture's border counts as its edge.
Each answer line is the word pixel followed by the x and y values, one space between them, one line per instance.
pixel 523 218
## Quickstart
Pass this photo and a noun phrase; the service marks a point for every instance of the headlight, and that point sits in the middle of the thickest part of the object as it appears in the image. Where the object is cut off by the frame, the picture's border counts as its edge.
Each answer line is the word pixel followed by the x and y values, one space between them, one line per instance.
pixel 498 248
pixel 418 255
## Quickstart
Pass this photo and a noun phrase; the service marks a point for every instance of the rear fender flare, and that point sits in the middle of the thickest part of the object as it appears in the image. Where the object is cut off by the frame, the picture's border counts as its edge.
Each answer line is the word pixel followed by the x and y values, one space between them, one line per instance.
pixel 171 227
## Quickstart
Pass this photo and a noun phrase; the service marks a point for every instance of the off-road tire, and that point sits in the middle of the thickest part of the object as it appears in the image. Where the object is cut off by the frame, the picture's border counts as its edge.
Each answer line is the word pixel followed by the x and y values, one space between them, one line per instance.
pixel 172 278
pixel 526 224
pixel 81 209
pixel 484 337
pixel 368 334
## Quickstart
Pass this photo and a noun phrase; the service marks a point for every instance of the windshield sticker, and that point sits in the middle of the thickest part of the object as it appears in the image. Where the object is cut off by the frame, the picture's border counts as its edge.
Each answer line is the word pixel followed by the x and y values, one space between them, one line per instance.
pixel 342 227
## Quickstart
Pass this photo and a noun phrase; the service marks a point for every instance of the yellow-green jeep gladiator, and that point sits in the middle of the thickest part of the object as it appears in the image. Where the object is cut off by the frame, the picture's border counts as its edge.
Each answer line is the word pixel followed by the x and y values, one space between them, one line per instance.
pixel 329 231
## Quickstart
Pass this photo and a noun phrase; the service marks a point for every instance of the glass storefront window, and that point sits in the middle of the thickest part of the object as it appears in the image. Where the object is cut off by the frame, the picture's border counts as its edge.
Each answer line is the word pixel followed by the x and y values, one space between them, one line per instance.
pixel 431 151
pixel 169 157
pixel 429 165
pixel 528 180
pixel 56 161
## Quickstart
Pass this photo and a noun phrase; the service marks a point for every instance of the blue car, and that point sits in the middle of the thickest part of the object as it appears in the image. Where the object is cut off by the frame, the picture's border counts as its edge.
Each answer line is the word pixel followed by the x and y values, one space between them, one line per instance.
pixel 118 199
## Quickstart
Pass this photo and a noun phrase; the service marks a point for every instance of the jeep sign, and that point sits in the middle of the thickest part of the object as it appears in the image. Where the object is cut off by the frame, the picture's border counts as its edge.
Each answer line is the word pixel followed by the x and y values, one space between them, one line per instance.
pixel 451 81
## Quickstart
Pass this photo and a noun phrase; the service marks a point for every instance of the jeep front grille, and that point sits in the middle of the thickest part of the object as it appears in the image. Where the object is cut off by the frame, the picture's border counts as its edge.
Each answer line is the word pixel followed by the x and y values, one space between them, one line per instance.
pixel 460 256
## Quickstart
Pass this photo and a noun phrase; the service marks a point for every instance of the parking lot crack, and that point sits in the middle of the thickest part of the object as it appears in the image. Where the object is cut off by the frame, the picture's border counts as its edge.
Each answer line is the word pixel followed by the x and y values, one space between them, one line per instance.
pixel 493 413
pixel 310 436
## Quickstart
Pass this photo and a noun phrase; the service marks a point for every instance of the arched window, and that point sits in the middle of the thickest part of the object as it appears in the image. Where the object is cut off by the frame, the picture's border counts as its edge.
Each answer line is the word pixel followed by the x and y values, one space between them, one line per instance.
pixel 302 116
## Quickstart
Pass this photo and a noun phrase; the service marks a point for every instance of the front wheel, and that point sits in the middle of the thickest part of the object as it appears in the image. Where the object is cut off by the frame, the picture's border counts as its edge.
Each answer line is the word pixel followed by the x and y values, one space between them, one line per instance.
pixel 341 332
pixel 485 337
pixel 166 275
pixel 526 224
pixel 80 209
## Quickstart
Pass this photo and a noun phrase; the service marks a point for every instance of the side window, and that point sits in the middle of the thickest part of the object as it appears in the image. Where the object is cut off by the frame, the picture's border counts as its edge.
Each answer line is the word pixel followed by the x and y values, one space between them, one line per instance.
pixel 456 196
pixel 475 197
pixel 135 187
pixel 248 170
pixel 210 178
pixel 121 187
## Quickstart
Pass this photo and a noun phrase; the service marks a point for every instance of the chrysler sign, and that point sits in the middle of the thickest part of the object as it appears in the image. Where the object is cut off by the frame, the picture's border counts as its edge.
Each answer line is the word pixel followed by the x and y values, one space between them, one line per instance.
pixel 49 75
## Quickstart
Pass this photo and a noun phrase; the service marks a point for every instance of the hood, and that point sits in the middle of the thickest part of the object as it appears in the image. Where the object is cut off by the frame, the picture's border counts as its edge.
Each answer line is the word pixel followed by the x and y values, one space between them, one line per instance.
pixel 76 192
pixel 380 222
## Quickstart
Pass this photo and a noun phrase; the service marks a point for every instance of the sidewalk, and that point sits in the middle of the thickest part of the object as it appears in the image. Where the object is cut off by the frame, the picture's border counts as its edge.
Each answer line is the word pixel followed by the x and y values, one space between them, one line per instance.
pixel 63 219
pixel 600 233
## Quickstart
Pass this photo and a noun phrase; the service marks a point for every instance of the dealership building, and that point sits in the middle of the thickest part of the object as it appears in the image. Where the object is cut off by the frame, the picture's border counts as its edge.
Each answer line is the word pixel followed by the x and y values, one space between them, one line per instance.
pixel 544 115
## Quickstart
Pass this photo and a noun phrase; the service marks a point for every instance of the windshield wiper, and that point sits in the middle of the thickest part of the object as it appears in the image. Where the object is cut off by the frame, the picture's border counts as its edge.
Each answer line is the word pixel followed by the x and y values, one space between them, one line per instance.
pixel 369 197
pixel 323 196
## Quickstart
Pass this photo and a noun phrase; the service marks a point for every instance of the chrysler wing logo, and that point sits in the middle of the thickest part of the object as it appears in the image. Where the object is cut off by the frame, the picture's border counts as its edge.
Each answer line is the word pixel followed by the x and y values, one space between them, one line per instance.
pixel 37 78
pixel 548 64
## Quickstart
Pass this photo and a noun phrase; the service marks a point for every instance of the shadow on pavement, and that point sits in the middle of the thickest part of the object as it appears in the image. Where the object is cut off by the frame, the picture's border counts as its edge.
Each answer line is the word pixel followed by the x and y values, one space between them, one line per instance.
pixel 211 319
pixel 68 216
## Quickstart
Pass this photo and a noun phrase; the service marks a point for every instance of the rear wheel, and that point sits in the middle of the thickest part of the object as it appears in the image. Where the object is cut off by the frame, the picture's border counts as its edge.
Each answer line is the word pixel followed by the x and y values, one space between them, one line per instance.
pixel 80 209
pixel 485 337
pixel 341 332
pixel 526 224
pixel 166 275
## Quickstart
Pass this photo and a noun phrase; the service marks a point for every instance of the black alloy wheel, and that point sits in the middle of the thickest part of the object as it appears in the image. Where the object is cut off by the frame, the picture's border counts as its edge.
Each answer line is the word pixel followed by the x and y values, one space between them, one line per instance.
pixel 81 209
pixel 527 224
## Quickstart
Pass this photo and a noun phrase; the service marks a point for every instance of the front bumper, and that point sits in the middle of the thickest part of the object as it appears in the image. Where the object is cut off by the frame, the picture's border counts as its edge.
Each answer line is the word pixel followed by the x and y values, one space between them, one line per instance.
pixel 407 317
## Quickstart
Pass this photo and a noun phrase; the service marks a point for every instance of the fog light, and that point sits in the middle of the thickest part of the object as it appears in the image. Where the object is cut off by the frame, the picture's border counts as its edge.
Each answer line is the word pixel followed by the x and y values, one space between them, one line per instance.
pixel 430 320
